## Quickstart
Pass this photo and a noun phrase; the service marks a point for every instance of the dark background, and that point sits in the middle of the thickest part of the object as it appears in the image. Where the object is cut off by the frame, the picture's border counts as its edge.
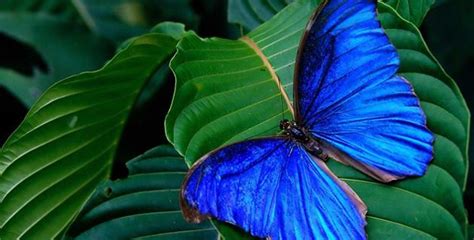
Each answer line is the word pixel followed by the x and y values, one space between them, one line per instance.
pixel 448 30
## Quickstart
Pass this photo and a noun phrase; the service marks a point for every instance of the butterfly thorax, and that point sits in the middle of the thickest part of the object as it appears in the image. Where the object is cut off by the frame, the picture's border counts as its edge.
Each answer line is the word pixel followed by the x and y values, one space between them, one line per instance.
pixel 302 136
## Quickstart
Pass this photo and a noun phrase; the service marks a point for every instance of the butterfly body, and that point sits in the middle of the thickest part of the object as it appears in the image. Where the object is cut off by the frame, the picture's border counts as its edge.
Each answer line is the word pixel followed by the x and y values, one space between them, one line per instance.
pixel 303 137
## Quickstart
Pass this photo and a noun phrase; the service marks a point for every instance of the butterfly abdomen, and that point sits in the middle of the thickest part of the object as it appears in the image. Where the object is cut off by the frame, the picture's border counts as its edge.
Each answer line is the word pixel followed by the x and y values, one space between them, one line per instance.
pixel 314 147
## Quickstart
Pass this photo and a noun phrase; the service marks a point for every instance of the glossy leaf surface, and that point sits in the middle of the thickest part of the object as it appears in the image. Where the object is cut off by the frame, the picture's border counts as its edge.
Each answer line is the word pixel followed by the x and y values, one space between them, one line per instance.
pixel 230 94
pixel 65 146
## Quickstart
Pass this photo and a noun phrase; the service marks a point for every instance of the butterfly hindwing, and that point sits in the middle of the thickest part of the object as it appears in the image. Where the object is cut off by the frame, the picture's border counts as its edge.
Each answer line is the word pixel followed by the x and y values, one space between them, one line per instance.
pixel 272 188
pixel 349 96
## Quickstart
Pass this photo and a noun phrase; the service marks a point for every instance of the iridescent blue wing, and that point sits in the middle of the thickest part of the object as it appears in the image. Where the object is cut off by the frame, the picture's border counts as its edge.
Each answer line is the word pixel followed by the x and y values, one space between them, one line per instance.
pixel 348 95
pixel 271 187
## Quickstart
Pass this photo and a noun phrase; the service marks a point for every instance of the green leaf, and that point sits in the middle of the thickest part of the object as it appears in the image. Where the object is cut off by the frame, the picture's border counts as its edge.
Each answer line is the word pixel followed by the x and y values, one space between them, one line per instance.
pixel 226 92
pixel 148 200
pixel 412 10
pixel 172 29
pixel 175 30
pixel 64 54
pixel 65 146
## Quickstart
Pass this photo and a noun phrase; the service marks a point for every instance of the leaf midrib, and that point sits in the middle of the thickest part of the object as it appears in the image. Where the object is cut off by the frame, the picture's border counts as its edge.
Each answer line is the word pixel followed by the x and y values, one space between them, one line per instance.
pixel 269 68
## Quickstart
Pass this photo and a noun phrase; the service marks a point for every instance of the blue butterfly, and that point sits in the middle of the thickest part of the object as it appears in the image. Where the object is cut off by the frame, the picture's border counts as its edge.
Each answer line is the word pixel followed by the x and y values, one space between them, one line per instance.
pixel 349 105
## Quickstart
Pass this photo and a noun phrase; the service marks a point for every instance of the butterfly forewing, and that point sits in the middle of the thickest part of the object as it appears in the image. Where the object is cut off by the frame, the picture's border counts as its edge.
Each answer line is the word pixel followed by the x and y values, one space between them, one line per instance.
pixel 349 96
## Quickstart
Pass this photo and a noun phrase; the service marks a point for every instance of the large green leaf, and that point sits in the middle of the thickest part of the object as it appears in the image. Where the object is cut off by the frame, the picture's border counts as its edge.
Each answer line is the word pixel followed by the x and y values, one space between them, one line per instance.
pixel 65 146
pixel 64 54
pixel 145 205
pixel 226 92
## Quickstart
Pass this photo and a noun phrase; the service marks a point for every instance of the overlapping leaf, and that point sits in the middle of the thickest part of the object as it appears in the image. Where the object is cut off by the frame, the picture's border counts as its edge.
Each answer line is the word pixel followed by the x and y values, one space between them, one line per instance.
pixel 226 92
pixel 64 148
pixel 145 205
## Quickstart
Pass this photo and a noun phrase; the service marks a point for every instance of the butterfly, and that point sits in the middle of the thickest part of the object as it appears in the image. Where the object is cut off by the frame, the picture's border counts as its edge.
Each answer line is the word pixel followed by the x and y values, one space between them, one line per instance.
pixel 350 105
